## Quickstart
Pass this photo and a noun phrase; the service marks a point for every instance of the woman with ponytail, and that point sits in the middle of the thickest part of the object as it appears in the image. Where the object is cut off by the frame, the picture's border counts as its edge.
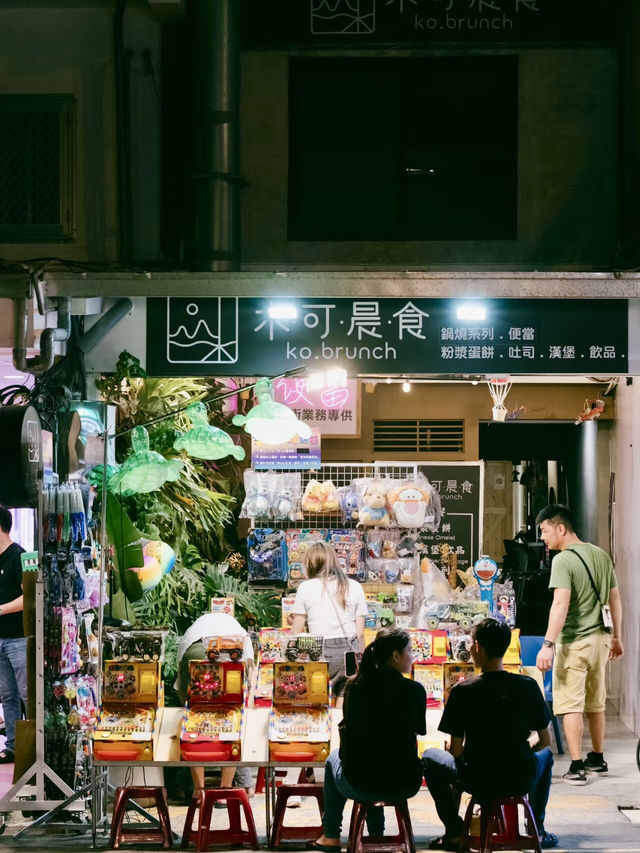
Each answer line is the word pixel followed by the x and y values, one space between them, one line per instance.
pixel 378 756
pixel 333 606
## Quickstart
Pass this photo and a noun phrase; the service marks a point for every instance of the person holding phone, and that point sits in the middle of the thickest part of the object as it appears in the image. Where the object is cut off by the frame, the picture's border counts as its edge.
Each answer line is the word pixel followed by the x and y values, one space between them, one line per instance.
pixel 379 703
pixel 333 606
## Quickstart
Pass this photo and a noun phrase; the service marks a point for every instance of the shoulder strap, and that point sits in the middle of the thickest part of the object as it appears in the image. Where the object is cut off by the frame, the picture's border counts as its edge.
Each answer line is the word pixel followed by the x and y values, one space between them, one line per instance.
pixel 342 628
pixel 593 585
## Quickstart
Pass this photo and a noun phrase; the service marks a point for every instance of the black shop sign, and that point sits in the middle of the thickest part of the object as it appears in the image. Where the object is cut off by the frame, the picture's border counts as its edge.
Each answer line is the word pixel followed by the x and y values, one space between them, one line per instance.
pixel 460 486
pixel 361 23
pixel 238 336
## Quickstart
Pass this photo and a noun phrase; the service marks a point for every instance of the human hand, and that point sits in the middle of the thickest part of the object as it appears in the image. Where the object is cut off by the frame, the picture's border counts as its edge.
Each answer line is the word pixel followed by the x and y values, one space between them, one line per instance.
pixel 544 661
pixel 617 650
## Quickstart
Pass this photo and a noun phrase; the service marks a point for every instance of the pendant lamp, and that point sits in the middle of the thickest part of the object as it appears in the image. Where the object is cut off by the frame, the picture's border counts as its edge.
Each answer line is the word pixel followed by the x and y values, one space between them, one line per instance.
pixel 204 441
pixel 271 422
pixel 144 470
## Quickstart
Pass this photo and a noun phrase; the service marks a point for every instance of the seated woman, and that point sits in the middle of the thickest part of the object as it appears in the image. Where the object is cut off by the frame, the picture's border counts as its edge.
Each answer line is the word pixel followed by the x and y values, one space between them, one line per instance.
pixel 378 757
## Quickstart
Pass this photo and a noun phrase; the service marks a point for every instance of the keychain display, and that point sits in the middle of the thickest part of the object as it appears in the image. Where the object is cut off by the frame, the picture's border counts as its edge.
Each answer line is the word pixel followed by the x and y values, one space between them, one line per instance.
pixel 267 556
pixel 298 540
pixel 350 549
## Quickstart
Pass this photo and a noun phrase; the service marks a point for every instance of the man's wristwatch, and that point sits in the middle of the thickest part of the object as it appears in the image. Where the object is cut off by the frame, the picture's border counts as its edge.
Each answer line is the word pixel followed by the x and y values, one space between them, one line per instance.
pixel 548 644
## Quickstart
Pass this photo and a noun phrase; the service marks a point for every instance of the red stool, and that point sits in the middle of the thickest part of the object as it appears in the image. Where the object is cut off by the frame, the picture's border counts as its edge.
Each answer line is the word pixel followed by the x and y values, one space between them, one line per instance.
pixel 386 843
pixel 145 834
pixel 204 836
pixel 279 774
pixel 499 826
pixel 281 833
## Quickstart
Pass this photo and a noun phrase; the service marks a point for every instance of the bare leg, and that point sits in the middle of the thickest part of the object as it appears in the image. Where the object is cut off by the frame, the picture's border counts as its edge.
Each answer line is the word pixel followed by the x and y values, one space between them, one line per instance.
pixel 197 776
pixel 573 730
pixel 596 727
pixel 226 776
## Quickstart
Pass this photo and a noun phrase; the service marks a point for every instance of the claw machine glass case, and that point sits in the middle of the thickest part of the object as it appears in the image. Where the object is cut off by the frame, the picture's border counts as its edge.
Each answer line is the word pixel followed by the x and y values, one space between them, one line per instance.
pixel 129 719
pixel 299 727
pixel 212 724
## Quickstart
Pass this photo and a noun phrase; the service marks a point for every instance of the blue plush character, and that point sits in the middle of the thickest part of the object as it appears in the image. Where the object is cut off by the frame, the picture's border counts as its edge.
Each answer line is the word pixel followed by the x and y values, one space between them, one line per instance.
pixel 349 503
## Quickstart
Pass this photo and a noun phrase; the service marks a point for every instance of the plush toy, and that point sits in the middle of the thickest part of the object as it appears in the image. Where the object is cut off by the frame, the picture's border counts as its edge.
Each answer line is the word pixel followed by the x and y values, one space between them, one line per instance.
pixel 409 504
pixel 313 498
pixel 283 505
pixel 349 503
pixel 373 512
pixel 330 500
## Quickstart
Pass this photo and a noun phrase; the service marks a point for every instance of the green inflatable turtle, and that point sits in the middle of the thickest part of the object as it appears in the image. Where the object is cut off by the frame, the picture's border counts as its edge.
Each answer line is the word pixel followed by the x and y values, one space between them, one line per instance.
pixel 144 470
pixel 204 441
pixel 271 422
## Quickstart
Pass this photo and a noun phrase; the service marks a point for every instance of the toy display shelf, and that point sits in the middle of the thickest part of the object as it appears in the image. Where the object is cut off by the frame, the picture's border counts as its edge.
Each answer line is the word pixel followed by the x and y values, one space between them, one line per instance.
pixel 341 474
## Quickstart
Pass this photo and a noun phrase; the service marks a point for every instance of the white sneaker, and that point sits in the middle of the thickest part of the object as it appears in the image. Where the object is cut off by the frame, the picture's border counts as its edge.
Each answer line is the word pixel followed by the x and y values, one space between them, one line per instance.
pixel 294 802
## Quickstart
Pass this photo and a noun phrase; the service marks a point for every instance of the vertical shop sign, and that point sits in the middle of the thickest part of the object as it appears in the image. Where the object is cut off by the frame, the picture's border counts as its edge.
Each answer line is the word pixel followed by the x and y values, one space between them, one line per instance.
pixel 334 410
pixel 460 486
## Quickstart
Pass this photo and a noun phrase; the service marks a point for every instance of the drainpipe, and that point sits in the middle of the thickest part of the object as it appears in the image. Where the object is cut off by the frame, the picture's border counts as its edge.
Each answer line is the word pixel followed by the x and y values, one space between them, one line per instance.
pixel 104 325
pixel 43 362
pixel 214 243
pixel 123 135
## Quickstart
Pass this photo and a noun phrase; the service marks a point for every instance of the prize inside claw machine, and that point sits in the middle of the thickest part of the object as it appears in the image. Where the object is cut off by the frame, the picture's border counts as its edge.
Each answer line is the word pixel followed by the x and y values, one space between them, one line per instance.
pixel 129 719
pixel 299 727
pixel 212 724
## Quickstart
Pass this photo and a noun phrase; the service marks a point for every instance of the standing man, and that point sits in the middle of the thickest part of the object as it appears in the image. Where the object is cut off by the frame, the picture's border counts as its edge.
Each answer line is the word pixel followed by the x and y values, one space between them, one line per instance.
pixel 583 581
pixel 13 645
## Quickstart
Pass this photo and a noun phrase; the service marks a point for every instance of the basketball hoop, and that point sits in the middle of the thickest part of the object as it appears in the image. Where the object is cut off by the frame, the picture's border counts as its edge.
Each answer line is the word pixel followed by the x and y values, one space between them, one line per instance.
pixel 499 387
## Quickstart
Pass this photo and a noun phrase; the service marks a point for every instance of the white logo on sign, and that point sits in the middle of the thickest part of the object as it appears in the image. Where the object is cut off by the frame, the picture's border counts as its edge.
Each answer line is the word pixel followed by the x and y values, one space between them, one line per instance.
pixel 343 17
pixel 203 332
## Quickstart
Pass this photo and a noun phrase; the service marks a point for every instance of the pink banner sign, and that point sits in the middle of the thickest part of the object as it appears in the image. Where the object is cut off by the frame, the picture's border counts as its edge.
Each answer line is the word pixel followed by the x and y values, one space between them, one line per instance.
pixel 333 410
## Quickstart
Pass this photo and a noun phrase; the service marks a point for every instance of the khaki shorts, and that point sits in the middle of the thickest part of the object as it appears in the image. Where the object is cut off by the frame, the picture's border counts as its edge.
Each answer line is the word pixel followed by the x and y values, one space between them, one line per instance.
pixel 579 675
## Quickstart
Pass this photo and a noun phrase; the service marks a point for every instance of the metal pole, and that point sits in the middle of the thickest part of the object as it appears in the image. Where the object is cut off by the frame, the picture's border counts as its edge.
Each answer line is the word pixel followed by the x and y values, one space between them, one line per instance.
pixel 215 233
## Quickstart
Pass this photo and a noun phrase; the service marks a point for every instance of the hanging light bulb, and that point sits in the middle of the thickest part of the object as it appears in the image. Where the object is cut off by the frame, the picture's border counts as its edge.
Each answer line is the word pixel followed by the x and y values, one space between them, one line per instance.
pixel 204 441
pixel 406 386
pixel 271 422
pixel 144 470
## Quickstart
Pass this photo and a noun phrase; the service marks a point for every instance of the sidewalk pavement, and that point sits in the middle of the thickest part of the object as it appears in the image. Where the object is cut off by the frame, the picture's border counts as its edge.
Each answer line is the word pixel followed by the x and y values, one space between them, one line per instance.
pixel 584 818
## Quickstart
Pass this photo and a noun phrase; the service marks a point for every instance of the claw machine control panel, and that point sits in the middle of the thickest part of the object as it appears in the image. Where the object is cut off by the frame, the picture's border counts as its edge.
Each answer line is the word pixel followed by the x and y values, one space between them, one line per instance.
pixel 212 724
pixel 129 719
pixel 299 727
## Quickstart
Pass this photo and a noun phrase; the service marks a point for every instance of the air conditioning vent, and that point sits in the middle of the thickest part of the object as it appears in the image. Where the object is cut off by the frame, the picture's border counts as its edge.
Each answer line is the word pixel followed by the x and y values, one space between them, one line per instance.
pixel 418 436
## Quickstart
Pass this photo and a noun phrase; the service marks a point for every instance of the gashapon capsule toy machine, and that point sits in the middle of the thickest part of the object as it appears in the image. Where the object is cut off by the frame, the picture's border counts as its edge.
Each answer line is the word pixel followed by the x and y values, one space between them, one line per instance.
pixel 299 727
pixel 129 719
pixel 213 718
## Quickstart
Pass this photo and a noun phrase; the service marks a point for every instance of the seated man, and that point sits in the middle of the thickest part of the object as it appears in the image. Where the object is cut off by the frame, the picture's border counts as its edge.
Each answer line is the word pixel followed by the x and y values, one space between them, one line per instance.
pixel 490 719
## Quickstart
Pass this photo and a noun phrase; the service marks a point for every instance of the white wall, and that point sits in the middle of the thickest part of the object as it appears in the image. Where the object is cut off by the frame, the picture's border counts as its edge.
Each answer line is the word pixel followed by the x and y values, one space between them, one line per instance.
pixel 625 684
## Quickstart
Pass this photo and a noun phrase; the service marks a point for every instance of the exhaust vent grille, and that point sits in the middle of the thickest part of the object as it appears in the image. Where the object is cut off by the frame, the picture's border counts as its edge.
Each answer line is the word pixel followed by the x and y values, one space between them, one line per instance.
pixel 418 436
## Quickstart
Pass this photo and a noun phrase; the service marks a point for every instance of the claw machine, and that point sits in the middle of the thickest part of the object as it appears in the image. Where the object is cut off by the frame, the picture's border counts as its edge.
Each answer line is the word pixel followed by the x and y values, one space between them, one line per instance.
pixel 299 726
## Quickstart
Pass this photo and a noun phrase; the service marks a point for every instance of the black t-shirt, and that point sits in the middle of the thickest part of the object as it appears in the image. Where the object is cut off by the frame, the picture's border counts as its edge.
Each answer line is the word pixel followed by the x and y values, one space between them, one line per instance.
pixel 10 588
pixel 495 713
pixel 382 716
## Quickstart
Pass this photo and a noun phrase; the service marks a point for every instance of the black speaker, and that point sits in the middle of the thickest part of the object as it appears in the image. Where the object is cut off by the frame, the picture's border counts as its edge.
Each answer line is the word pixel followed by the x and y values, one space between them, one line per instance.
pixel 20 456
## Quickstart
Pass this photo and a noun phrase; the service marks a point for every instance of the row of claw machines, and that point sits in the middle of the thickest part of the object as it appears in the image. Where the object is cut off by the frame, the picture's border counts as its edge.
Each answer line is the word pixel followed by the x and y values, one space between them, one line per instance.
pixel 291 679
pixel 218 694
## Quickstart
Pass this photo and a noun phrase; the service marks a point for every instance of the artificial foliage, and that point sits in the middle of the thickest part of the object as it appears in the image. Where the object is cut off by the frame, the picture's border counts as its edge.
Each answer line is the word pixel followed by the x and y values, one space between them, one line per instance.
pixel 196 514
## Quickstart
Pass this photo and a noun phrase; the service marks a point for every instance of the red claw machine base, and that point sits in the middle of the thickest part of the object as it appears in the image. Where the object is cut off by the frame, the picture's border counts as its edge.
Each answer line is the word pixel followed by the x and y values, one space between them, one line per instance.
pixel 212 723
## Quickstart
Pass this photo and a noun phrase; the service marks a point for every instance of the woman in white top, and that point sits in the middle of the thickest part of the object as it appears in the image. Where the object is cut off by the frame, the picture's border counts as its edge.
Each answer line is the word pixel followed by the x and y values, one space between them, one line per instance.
pixel 333 606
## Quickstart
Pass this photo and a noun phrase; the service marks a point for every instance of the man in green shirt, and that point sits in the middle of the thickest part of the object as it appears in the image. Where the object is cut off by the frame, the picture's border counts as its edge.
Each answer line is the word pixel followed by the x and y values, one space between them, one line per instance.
pixel 577 634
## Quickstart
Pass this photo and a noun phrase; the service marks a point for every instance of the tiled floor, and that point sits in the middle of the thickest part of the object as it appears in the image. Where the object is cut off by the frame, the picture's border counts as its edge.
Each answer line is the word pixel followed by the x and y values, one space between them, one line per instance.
pixel 585 819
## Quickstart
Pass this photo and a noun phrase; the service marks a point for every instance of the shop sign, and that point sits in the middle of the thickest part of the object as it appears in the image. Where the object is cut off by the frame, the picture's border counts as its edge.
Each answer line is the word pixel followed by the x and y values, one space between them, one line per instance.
pixel 313 23
pixel 334 411
pixel 460 486
pixel 237 336
pixel 298 454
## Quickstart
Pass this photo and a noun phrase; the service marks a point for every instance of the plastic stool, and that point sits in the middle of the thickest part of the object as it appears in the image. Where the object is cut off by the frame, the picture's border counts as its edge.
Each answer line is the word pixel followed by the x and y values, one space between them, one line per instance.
pixel 386 843
pixel 145 834
pixel 204 836
pixel 499 828
pixel 281 833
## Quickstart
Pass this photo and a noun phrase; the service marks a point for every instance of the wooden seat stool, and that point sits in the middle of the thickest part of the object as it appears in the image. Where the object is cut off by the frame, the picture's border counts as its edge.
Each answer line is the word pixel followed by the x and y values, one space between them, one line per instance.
pixel 499 827
pixel 279 832
pixel 204 837
pixel 145 834
pixel 403 841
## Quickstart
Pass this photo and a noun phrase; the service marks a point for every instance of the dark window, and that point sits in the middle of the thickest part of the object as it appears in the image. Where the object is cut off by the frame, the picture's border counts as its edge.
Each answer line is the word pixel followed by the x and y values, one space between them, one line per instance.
pixel 35 170
pixel 418 436
pixel 403 149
